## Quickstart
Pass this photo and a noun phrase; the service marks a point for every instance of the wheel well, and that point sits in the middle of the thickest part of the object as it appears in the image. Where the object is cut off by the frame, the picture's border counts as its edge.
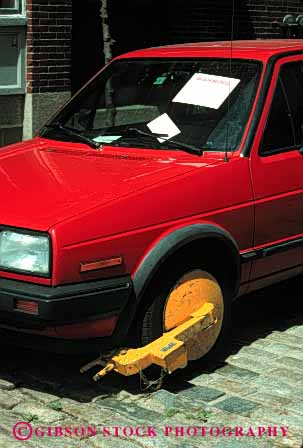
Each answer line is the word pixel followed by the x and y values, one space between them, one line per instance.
pixel 213 255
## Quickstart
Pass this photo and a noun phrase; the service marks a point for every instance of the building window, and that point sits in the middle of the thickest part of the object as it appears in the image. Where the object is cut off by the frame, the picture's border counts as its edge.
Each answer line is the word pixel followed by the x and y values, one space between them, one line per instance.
pixel 12 47
pixel 10 7
pixel 11 60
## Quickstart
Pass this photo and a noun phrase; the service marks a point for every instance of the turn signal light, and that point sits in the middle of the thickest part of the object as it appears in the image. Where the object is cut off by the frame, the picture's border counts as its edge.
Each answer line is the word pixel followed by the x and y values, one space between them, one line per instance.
pixel 27 307
pixel 100 264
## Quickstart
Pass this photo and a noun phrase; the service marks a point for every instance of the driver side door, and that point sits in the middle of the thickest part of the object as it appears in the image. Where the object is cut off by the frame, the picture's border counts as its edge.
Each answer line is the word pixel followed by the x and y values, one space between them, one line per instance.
pixel 277 178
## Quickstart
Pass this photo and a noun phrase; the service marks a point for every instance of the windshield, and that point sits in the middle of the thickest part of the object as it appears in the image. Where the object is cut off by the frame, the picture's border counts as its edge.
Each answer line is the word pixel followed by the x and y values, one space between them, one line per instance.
pixel 203 102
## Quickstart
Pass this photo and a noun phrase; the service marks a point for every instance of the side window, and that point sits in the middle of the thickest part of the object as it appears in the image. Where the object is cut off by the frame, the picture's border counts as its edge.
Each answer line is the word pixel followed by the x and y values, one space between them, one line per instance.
pixel 292 78
pixel 278 134
pixel 284 126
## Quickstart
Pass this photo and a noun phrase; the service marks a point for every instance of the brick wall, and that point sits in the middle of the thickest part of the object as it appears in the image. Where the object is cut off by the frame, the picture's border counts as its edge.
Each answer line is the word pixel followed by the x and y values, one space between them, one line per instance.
pixel 138 24
pixel 196 20
pixel 263 13
pixel 49 45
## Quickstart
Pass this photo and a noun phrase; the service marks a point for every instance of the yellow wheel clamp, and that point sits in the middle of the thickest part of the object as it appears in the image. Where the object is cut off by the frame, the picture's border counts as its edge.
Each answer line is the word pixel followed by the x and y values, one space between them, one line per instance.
pixel 171 351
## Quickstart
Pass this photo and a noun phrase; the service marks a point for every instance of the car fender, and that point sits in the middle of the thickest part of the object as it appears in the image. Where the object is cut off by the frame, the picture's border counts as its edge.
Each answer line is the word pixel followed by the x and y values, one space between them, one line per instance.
pixel 171 243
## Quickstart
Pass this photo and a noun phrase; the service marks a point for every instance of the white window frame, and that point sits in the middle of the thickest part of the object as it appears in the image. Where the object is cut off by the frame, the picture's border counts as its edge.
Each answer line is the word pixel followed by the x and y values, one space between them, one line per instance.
pixel 17 9
pixel 13 21
pixel 19 87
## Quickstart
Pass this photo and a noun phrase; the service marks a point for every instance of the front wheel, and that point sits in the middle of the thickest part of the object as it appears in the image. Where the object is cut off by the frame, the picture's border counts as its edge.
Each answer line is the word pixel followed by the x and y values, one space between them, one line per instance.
pixel 172 300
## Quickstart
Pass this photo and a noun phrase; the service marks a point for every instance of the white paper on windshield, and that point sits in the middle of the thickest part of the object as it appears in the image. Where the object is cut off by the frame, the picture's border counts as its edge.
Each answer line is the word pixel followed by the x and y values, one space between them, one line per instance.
pixel 206 90
pixel 106 138
pixel 163 125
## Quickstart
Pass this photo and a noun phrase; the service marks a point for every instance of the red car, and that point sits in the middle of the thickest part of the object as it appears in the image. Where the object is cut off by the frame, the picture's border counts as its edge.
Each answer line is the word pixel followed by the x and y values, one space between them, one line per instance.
pixel 172 179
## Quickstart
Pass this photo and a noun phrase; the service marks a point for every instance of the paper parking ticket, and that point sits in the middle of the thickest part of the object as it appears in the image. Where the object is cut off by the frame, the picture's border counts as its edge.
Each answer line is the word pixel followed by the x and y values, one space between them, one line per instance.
pixel 206 90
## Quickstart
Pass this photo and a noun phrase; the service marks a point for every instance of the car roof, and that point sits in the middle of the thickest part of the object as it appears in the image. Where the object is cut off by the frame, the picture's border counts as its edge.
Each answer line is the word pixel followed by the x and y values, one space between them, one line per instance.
pixel 247 49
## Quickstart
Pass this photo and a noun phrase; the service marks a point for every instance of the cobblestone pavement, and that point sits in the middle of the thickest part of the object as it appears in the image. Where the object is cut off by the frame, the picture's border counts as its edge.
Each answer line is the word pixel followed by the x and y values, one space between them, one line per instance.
pixel 258 383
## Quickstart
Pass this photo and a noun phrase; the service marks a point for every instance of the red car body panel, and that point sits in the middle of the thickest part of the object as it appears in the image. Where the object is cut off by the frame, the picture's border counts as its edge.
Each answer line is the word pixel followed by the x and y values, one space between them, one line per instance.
pixel 124 201
pixel 261 50
pixel 138 227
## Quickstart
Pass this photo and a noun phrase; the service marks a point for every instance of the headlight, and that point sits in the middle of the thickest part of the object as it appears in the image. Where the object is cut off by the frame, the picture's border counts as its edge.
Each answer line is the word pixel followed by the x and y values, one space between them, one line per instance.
pixel 24 252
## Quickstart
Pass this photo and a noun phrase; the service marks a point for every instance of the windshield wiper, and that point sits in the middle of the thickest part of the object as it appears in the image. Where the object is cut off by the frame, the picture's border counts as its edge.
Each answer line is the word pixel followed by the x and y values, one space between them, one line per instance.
pixel 148 134
pixel 74 134
pixel 183 146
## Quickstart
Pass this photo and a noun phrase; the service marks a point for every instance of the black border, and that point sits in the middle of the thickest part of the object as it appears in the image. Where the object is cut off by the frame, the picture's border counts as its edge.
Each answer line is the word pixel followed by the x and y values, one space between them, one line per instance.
pixel 173 241
pixel 271 250
pixel 64 304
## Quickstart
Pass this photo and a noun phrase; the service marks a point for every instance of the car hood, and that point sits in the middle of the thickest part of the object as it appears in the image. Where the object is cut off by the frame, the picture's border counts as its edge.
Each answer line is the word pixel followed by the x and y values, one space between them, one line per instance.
pixel 43 183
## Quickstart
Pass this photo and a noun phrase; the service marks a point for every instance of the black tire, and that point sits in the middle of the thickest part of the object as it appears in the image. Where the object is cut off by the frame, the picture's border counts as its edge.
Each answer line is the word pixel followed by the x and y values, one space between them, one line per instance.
pixel 150 325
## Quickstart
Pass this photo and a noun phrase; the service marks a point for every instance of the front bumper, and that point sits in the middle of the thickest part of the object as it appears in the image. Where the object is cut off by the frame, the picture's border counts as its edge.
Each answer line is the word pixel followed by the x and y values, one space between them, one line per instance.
pixel 63 306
